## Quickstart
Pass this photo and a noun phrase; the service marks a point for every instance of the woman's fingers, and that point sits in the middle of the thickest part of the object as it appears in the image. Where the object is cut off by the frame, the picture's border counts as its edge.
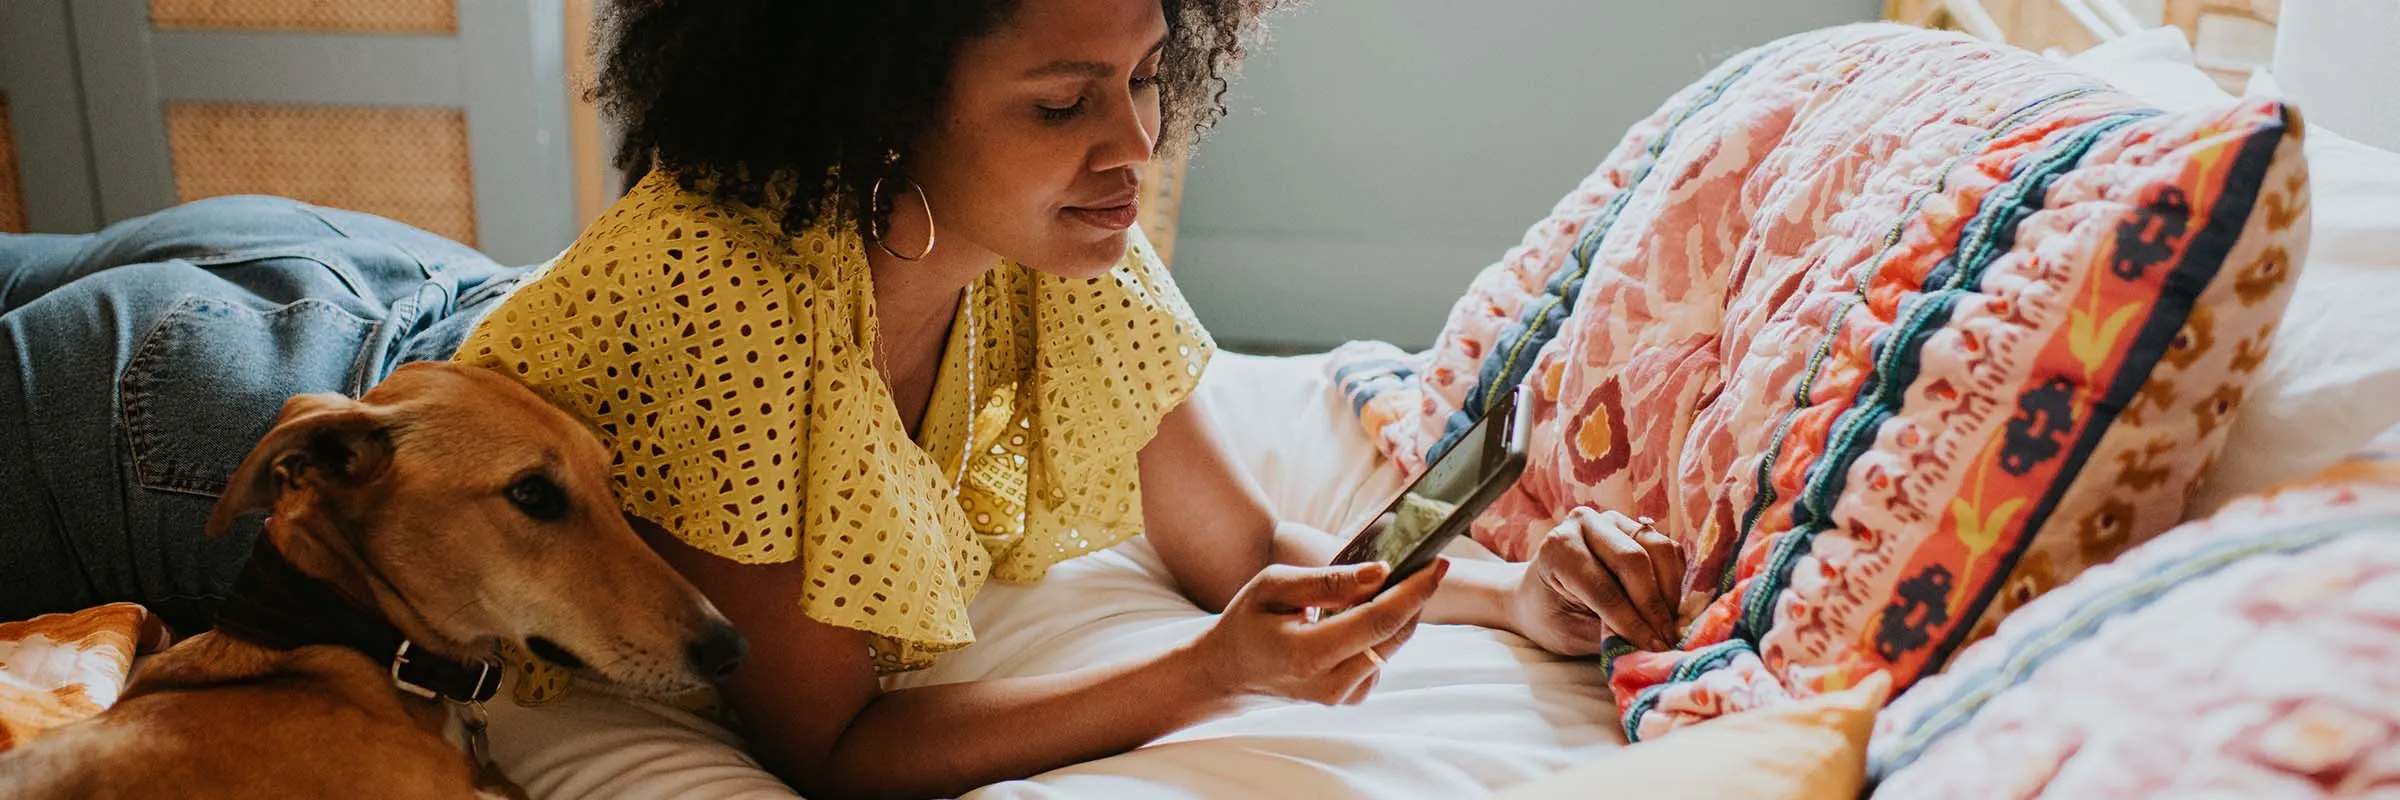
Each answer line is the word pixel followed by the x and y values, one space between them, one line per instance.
pixel 1357 688
pixel 1330 661
pixel 1667 564
pixel 1570 570
pixel 1388 615
pixel 1636 565
pixel 1580 570
pixel 1391 645
pixel 1352 680
pixel 1285 589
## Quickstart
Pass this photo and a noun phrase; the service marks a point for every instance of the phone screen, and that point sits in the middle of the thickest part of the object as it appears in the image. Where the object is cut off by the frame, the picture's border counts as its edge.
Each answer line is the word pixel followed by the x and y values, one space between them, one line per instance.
pixel 1445 500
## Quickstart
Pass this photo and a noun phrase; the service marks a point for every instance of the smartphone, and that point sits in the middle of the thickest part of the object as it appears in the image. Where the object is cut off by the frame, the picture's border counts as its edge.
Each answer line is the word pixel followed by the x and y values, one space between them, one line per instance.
pixel 1443 503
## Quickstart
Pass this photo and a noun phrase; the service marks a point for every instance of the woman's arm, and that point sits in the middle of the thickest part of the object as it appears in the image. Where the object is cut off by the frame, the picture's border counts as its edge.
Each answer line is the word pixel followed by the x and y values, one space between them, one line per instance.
pixel 813 710
pixel 1211 525
pixel 820 722
pixel 1596 573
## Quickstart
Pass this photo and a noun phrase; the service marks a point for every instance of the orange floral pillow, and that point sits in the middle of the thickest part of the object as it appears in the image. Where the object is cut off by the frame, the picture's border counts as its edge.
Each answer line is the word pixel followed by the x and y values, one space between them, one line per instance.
pixel 1895 329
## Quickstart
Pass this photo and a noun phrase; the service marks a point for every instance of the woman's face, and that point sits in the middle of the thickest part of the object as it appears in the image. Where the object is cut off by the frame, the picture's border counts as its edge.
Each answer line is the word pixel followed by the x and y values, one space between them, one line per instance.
pixel 1048 119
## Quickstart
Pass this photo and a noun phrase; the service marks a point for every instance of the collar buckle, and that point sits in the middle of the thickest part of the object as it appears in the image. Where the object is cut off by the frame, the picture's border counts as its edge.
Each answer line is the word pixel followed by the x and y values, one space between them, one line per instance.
pixel 485 684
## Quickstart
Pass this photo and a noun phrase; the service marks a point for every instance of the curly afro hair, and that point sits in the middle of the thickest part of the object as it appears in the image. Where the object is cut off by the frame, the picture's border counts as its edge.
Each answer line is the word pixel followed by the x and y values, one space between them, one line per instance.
pixel 734 97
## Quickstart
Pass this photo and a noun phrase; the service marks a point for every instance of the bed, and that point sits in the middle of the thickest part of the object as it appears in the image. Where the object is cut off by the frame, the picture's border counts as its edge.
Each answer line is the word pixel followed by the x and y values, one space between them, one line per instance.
pixel 1466 712
pixel 1460 712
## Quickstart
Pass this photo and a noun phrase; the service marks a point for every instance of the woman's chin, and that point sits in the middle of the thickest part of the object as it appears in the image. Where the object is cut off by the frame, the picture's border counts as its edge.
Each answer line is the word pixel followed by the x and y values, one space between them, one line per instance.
pixel 1083 260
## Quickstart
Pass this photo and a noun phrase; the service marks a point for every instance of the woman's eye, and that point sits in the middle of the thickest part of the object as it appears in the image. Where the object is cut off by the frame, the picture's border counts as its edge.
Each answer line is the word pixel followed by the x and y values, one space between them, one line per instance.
pixel 1149 81
pixel 1063 113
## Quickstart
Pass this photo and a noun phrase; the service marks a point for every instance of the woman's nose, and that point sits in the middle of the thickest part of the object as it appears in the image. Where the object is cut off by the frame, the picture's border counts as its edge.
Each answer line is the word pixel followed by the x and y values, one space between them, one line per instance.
pixel 1128 139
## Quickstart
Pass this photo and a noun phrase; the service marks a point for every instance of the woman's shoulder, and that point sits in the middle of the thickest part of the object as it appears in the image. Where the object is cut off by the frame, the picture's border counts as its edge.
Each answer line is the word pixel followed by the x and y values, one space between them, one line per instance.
pixel 670 279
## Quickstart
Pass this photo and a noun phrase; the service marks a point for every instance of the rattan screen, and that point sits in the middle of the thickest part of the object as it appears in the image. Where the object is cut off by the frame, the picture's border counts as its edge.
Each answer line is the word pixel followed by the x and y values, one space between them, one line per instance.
pixel 409 164
pixel 1162 201
pixel 12 193
pixel 352 16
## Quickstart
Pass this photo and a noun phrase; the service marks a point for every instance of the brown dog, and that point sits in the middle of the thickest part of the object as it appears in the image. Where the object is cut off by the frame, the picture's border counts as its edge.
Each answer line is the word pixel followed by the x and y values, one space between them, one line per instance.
pixel 411 534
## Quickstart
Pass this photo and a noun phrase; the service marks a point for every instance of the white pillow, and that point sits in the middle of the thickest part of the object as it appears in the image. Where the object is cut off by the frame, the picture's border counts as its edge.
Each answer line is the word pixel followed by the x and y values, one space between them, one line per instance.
pixel 2338 60
pixel 1287 426
pixel 2332 380
pixel 2154 66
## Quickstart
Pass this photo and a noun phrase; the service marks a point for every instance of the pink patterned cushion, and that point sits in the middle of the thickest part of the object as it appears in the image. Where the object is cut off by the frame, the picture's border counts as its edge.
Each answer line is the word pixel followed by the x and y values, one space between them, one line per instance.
pixel 2253 654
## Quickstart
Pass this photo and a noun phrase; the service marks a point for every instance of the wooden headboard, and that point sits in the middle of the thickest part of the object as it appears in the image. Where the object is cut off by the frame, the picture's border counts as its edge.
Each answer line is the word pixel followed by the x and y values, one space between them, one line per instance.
pixel 2229 37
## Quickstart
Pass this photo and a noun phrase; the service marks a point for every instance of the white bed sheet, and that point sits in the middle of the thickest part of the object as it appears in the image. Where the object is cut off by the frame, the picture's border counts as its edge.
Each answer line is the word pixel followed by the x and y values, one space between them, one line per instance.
pixel 1460 712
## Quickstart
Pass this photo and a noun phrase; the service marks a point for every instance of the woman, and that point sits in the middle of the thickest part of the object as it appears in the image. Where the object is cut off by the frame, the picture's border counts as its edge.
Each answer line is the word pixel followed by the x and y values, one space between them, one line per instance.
pixel 874 326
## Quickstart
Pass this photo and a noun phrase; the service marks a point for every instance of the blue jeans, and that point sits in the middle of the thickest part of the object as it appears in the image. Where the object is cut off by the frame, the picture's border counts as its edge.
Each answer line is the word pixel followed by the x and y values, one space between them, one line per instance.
pixel 145 360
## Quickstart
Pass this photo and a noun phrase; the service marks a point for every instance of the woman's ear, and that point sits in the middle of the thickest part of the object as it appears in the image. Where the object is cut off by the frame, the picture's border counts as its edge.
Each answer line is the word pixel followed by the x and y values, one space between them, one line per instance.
pixel 319 442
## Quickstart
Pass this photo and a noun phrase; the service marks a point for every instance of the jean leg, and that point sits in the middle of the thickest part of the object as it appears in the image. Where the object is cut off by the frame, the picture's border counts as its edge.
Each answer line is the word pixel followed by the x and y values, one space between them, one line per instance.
pixel 77 525
pixel 33 264
pixel 147 359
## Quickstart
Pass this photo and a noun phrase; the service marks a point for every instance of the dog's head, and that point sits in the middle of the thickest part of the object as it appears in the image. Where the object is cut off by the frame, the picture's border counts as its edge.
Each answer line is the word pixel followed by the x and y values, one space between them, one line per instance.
pixel 469 512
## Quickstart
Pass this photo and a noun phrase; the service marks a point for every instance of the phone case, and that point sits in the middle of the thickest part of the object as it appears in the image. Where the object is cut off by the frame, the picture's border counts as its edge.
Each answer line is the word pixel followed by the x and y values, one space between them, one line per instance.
pixel 1503 476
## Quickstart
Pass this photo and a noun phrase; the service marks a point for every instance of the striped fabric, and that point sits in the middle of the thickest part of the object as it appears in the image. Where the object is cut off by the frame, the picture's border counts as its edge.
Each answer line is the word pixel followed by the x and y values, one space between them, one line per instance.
pixel 2256 653
pixel 1893 329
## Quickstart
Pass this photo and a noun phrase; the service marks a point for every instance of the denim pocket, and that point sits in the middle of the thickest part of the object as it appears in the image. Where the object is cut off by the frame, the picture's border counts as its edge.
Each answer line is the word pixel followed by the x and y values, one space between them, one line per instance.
pixel 204 385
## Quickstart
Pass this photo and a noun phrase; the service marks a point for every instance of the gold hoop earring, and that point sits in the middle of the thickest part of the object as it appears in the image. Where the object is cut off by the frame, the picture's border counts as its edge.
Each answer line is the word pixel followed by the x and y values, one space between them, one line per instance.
pixel 875 214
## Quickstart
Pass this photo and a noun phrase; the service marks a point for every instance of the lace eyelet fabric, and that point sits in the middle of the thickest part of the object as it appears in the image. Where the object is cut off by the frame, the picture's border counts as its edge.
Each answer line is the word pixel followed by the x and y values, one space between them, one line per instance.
pixel 728 367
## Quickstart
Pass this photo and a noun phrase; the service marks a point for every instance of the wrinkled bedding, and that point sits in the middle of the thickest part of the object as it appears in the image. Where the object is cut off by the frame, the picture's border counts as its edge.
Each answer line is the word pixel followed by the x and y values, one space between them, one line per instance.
pixel 59 668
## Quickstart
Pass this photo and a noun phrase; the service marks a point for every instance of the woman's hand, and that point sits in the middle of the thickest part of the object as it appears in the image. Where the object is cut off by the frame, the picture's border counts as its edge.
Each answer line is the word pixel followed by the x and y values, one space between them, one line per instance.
pixel 1264 644
pixel 1596 573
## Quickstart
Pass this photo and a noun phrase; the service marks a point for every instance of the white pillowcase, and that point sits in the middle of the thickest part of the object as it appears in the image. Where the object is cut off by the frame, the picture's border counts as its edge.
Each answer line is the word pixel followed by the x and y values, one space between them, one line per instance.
pixel 1287 424
pixel 2332 380
pixel 2337 59
pixel 2156 66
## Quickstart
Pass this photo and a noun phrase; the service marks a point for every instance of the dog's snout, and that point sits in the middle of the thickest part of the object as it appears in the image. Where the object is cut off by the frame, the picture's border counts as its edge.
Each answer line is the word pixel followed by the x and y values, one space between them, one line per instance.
pixel 718 651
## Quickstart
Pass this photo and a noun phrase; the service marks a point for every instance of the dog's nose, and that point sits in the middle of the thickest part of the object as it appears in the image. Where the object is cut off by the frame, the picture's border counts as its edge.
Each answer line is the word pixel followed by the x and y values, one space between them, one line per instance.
pixel 718 651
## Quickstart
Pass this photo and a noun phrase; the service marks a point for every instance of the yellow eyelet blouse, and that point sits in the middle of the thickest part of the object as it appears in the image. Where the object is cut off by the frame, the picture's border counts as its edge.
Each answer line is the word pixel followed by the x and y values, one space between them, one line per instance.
pixel 728 366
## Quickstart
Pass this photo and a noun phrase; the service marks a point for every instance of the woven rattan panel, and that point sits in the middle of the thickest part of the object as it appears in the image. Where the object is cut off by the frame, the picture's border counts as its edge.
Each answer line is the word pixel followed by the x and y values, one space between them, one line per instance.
pixel 1162 202
pixel 12 193
pixel 409 164
pixel 349 16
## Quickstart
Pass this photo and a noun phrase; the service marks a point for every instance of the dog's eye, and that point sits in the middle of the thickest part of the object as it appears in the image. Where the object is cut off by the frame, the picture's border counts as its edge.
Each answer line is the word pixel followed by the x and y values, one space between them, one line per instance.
pixel 538 497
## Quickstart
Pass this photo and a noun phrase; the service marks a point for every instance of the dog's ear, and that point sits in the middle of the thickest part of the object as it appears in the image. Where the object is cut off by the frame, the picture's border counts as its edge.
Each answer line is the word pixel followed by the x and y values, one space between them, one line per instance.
pixel 319 441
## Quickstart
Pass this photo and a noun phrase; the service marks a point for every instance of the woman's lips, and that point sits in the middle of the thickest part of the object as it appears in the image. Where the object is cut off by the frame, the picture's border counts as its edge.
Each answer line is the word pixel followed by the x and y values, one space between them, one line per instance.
pixel 1115 218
